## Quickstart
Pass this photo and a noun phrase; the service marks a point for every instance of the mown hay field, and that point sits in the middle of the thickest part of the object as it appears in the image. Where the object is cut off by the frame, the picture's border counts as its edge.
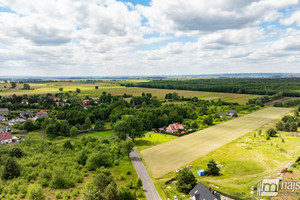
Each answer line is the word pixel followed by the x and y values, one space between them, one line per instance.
pixel 172 155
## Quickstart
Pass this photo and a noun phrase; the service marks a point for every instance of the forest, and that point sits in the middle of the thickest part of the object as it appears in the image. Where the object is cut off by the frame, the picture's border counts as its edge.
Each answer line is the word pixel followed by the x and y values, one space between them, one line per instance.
pixel 260 86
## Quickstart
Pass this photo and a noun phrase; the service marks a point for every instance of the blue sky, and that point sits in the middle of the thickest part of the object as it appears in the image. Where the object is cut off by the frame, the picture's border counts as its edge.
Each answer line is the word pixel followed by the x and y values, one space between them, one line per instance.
pixel 170 37
pixel 141 2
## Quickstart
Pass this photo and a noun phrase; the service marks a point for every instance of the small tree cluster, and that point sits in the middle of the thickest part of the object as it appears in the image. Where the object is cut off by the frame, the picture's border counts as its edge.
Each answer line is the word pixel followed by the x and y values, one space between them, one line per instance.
pixel 288 123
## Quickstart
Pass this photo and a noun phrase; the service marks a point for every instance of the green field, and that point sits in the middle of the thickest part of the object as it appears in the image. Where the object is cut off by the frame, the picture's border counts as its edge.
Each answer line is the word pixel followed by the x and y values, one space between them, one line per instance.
pixel 116 89
pixel 177 153
pixel 152 139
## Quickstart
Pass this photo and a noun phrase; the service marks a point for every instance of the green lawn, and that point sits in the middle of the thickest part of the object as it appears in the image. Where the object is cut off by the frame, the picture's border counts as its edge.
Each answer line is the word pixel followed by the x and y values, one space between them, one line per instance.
pixel 152 139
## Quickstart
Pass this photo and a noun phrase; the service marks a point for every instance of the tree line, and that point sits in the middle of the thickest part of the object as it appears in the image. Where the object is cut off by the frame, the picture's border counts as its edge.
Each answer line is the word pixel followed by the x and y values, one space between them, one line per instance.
pixel 260 86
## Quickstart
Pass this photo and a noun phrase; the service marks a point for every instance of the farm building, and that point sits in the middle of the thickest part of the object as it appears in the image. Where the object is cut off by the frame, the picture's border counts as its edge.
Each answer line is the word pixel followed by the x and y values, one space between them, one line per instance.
pixel 176 127
pixel 4 111
pixel 231 112
pixel 5 138
pixel 201 192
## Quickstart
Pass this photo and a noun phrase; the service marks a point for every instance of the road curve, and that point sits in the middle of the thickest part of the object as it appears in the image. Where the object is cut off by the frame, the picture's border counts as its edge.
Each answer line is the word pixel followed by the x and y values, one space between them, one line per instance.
pixel 149 188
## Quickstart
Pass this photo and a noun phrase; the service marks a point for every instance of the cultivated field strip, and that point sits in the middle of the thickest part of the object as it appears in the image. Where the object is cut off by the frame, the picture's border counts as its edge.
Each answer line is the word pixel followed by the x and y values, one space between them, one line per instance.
pixel 179 152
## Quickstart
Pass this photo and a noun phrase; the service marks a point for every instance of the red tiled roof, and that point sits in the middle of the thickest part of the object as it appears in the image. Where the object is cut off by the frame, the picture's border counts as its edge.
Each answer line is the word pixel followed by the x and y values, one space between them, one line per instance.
pixel 175 126
pixel 5 136
pixel 42 111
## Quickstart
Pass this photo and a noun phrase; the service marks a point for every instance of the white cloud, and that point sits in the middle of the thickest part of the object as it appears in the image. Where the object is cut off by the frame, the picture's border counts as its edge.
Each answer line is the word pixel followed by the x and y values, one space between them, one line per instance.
pixel 105 37
pixel 294 18
pixel 203 15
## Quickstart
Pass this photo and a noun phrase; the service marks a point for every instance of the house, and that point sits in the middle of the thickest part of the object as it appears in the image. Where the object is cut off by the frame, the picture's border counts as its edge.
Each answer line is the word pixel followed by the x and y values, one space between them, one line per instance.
pixel 201 192
pixel 231 112
pixel 222 115
pixel 16 121
pixel 176 127
pixel 26 114
pixel 4 111
pixel 5 138
pixel 2 119
pixel 42 113
pixel 5 129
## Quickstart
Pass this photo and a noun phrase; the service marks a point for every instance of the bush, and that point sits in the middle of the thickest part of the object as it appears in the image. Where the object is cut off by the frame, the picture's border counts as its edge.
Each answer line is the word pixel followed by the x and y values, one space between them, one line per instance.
pixel 125 193
pixel 271 132
pixel 59 180
pixel 91 192
pixel 97 160
pixel 35 192
pixel 16 152
pixel 68 145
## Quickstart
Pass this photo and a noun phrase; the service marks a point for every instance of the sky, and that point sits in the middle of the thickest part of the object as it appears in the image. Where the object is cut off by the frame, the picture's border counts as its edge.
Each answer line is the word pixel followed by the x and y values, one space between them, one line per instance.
pixel 142 37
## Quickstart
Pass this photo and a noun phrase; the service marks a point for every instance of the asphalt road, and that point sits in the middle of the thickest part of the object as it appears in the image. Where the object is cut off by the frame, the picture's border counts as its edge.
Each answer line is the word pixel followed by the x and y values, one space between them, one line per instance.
pixel 149 188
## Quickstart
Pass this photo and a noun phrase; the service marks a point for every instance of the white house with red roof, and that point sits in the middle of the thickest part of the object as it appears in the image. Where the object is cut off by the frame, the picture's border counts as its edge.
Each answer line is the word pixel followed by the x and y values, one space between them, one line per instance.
pixel 5 138
pixel 176 127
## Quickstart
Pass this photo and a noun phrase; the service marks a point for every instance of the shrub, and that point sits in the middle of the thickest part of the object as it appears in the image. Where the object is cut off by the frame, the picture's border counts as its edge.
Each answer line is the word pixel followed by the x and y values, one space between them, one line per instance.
pixel 16 152
pixel 125 193
pixel 68 145
pixel 139 183
pixel 91 192
pixel 59 180
pixel 271 132
pixel 97 160
pixel 35 192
